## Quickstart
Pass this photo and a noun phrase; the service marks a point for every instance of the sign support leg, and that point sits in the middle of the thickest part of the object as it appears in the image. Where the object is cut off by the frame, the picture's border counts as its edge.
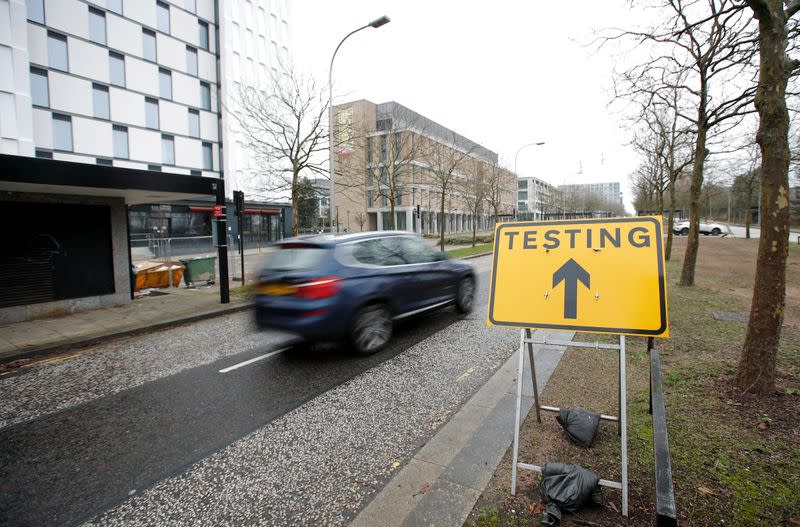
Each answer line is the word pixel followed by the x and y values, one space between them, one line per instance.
pixel 520 372
pixel 529 346
pixel 623 424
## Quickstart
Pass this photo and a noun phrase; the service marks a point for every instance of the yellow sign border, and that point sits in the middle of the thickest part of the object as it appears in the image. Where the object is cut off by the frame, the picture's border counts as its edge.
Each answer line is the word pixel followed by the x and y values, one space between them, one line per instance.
pixel 662 287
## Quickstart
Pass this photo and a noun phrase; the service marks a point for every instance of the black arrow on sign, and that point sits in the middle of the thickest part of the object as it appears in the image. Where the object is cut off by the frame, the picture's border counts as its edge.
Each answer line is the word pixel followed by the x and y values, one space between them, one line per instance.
pixel 570 273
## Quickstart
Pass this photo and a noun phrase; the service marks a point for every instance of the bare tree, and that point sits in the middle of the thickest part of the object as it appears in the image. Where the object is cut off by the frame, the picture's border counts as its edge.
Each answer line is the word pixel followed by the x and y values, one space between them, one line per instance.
pixel 360 218
pixel 286 130
pixel 494 189
pixel 443 161
pixel 396 151
pixel 474 191
pixel 745 188
pixel 759 354
pixel 709 58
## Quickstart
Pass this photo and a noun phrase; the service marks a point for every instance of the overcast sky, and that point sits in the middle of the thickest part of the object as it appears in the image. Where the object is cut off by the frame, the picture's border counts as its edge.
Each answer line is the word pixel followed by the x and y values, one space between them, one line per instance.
pixel 503 74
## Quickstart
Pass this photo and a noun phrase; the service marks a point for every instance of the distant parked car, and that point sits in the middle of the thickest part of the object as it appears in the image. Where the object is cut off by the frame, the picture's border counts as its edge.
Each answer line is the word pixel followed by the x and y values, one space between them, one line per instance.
pixel 354 286
pixel 715 229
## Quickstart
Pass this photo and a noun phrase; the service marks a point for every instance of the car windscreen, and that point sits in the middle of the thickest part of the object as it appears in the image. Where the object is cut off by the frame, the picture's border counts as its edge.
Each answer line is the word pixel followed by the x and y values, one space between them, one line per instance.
pixel 295 258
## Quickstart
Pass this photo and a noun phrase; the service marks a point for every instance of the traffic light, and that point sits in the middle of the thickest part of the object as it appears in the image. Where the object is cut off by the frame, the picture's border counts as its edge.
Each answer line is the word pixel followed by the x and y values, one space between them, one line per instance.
pixel 238 202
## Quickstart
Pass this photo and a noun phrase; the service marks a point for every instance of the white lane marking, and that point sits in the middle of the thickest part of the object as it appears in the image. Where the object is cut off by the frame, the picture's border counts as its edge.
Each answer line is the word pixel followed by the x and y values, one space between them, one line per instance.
pixel 251 361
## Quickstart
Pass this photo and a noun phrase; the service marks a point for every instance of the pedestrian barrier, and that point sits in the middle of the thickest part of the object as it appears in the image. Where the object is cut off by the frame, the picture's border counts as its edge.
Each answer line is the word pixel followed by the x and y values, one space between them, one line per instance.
pixel 665 495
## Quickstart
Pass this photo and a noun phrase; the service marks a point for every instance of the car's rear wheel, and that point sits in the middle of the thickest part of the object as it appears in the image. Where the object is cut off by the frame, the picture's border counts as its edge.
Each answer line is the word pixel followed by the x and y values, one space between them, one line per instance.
pixel 715 231
pixel 371 329
pixel 684 231
pixel 465 295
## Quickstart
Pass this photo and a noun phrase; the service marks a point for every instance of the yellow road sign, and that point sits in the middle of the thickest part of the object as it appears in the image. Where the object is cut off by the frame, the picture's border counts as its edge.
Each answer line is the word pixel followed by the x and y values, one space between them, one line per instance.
pixel 602 276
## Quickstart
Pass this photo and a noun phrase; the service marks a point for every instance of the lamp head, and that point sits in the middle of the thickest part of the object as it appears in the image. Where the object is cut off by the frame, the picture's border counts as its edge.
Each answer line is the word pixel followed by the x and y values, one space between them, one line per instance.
pixel 378 22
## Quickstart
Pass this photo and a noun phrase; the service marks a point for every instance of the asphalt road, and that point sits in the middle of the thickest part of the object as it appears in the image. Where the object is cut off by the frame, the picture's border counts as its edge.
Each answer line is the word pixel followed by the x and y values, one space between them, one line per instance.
pixel 149 430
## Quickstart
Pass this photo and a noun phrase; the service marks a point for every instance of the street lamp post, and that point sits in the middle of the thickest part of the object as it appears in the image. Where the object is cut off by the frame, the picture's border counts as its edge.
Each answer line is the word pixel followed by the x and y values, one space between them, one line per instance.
pixel 539 143
pixel 378 22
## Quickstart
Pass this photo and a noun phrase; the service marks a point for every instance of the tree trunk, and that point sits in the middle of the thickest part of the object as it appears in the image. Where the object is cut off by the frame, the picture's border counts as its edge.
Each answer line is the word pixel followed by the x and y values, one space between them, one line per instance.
pixel 474 228
pixel 441 221
pixel 671 220
pixel 295 202
pixel 747 219
pixel 693 241
pixel 757 366
pixel 392 215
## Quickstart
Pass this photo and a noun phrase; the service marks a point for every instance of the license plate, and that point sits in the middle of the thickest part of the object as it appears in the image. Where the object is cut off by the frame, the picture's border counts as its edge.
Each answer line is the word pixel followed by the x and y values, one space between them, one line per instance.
pixel 275 289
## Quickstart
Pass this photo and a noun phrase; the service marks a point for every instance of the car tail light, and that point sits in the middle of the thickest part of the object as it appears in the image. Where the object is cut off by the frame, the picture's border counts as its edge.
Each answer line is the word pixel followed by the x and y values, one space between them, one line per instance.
pixel 319 288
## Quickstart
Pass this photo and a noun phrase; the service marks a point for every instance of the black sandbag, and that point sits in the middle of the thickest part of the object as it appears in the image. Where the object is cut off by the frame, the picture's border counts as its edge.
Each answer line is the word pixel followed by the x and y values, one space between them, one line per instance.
pixel 580 425
pixel 566 488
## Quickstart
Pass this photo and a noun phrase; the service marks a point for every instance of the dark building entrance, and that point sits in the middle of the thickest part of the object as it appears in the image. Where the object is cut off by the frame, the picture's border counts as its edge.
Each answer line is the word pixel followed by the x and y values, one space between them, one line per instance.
pixel 59 251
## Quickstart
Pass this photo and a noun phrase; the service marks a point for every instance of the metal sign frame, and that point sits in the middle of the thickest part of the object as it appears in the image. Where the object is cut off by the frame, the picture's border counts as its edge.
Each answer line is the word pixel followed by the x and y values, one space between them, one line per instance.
pixel 526 339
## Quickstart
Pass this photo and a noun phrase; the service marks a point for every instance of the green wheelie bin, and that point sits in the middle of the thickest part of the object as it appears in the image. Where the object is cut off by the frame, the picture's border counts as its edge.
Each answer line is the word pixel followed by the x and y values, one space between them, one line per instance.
pixel 199 269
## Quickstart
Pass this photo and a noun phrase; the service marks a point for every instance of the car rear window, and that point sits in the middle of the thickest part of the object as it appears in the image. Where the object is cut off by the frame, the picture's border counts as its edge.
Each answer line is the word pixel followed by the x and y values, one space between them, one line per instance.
pixel 294 258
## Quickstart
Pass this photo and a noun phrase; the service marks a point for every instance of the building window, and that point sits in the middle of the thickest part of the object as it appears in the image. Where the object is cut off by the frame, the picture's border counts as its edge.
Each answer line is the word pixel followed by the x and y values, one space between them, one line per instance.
pixel 384 202
pixel 57 51
pixel 101 104
pixel 148 44
pixel 165 83
pixel 162 12
pixel 62 132
pixel 398 145
pixel 194 123
pixel 384 148
pixel 190 5
pixel 40 95
pixel 97 26
pixel 522 184
pixel 105 162
pixel 44 154
pixel 36 10
pixel 120 142
pixel 151 112
pixel 371 199
pixel 208 159
pixel 154 168
pixel 191 60
pixel 168 149
pixel 203 34
pixel 369 150
pixel 398 197
pixel 522 195
pixel 205 96
pixel 115 6
pixel 370 180
pixel 116 68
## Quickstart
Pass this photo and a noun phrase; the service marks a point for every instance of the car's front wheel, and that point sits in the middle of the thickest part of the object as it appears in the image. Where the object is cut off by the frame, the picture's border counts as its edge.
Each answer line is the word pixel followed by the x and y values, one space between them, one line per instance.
pixel 684 231
pixel 716 231
pixel 371 329
pixel 465 295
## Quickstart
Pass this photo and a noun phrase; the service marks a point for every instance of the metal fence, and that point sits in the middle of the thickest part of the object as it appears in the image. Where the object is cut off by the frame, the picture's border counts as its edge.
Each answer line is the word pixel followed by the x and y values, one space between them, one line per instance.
pixel 149 248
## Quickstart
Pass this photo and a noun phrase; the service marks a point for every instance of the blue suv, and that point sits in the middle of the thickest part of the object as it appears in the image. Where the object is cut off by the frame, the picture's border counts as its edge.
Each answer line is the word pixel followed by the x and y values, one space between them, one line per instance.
pixel 353 286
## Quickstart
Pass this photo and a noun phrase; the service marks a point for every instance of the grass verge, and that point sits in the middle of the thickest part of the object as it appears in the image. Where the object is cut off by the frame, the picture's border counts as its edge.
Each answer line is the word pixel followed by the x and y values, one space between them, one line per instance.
pixel 735 457
pixel 467 251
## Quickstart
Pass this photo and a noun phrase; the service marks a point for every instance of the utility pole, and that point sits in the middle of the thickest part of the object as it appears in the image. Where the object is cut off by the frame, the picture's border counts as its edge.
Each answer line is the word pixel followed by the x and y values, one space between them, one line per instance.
pixel 222 244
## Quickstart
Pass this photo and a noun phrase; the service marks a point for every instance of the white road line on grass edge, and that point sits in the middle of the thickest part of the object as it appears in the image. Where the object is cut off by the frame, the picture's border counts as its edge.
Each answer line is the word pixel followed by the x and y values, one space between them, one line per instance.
pixel 251 361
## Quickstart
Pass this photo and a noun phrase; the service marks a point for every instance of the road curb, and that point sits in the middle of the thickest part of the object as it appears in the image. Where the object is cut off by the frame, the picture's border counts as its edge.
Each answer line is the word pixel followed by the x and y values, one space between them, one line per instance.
pixel 83 341
pixel 471 256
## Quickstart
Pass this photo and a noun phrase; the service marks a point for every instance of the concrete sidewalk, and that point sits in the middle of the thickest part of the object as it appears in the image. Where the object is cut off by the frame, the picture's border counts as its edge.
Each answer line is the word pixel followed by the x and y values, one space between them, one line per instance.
pixel 442 482
pixel 164 308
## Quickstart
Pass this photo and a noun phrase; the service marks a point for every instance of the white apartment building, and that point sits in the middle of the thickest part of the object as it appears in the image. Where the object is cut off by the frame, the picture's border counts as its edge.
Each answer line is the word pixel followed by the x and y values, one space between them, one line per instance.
pixel 133 83
pixel 536 198
pixel 580 192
